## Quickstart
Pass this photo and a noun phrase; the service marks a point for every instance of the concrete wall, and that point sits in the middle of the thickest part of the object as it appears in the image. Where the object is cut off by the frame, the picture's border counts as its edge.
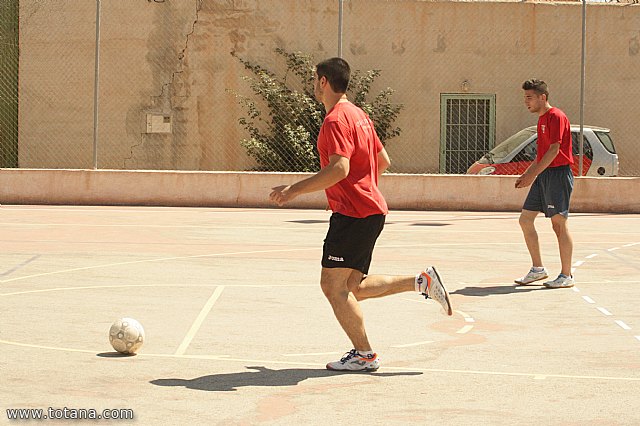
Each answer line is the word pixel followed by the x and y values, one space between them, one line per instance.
pixel 233 189
pixel 173 57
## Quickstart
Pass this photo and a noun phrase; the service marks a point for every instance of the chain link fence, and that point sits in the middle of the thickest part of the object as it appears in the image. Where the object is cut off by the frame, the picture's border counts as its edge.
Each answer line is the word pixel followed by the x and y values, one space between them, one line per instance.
pixel 220 85
pixel 8 84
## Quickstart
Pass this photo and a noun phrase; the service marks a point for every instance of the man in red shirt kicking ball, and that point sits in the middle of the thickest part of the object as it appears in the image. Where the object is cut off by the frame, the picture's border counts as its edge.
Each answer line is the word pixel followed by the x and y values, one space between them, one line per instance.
pixel 352 158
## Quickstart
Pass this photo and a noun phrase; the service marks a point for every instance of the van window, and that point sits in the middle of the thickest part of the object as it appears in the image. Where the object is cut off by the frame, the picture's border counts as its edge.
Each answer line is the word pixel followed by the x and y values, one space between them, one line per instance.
pixel 606 141
pixel 528 153
pixel 588 151
pixel 501 151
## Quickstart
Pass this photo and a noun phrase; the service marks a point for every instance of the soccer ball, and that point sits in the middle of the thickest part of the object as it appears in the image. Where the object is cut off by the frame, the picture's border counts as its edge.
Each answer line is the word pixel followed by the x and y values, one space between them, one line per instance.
pixel 126 335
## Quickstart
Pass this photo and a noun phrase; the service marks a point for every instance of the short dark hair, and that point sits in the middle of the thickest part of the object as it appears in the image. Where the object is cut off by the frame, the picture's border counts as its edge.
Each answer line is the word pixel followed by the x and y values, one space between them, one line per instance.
pixel 337 72
pixel 538 86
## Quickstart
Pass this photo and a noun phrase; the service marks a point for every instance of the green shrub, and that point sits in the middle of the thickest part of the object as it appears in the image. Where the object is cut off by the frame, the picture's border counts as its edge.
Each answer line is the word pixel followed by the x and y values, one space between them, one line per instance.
pixel 283 137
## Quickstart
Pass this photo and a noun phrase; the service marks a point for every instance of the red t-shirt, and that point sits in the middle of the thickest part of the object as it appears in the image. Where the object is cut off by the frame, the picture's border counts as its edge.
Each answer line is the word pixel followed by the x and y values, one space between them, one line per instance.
pixel 553 126
pixel 348 131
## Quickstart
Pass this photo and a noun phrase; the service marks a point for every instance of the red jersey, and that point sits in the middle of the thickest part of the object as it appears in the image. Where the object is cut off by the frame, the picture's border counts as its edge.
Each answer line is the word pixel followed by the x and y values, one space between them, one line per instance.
pixel 348 131
pixel 553 126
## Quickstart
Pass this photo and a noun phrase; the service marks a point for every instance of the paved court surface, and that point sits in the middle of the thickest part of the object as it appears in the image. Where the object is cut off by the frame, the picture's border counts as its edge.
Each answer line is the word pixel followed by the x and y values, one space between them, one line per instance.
pixel 238 331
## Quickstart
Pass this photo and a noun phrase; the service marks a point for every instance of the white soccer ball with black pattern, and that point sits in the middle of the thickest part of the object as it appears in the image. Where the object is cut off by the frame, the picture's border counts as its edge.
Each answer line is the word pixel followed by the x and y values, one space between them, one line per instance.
pixel 126 335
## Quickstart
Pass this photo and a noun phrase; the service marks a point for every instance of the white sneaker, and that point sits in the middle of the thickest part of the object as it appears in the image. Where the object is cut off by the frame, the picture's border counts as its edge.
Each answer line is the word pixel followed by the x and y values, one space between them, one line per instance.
pixel 532 276
pixel 431 287
pixel 562 281
pixel 353 361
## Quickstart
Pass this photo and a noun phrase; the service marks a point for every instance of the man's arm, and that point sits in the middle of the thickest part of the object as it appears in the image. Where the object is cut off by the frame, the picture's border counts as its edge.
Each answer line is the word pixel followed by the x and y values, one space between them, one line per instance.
pixel 334 172
pixel 536 168
pixel 383 162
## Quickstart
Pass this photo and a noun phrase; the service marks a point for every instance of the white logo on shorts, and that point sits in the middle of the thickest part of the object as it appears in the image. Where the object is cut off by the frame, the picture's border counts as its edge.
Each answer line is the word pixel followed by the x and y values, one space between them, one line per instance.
pixel 551 206
pixel 336 259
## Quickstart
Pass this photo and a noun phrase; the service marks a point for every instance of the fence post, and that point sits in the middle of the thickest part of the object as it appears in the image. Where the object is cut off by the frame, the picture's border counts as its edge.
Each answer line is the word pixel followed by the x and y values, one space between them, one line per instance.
pixel 340 21
pixel 582 84
pixel 96 88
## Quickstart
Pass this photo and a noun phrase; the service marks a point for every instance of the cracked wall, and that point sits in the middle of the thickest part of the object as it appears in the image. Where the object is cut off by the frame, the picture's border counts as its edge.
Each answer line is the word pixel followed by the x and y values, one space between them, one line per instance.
pixel 174 57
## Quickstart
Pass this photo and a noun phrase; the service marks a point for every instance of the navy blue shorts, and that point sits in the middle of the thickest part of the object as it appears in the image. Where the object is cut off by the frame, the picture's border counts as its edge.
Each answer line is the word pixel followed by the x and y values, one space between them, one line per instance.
pixel 551 192
pixel 350 241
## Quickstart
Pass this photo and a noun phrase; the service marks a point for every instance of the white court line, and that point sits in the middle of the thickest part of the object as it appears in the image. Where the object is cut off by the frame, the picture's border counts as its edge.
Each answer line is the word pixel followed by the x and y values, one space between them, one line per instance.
pixel 217 210
pixel 314 354
pixel 143 225
pixel 108 265
pixel 576 289
pixel 199 320
pixel 623 325
pixel 98 287
pixel 275 362
pixel 590 300
pixel 416 300
pixel 600 281
pixel 465 329
pixel 310 364
pixel 52 348
pixel 298 227
pixel 408 345
pixel 467 318
pixel 604 311
pixel 133 262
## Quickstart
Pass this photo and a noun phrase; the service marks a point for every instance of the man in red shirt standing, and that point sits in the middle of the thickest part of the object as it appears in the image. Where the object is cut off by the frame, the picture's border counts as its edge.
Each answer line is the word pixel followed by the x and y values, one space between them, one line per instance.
pixel 352 158
pixel 551 183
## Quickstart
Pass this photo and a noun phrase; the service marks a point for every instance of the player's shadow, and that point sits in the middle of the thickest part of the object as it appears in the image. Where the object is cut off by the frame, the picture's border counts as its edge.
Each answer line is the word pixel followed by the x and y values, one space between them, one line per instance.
pixel 262 376
pixel 496 290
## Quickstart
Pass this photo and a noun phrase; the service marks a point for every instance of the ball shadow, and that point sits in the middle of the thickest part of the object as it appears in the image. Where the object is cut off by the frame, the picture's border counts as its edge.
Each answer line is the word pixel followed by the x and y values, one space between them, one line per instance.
pixel 114 355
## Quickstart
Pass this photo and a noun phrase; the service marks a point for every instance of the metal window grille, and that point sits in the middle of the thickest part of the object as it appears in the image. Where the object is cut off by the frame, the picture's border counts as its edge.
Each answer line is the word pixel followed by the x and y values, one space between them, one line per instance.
pixel 467 130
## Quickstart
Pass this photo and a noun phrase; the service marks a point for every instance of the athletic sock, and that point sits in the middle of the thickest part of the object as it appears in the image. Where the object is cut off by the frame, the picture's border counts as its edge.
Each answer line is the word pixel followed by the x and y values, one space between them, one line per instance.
pixel 419 279
pixel 365 353
pixel 538 268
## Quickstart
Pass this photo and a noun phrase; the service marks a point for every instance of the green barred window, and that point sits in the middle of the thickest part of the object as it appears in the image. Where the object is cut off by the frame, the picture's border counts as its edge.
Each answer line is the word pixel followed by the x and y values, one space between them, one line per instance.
pixel 467 130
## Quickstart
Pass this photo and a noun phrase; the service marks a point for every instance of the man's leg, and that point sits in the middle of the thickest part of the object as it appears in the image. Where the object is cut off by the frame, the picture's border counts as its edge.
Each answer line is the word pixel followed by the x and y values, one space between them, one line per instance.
pixel 344 287
pixel 335 286
pixel 565 242
pixel 527 219
pixel 379 285
pixel 428 283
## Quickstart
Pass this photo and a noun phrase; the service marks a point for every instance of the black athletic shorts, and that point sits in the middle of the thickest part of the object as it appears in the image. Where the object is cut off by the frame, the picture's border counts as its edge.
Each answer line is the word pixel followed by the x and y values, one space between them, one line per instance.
pixel 551 192
pixel 350 241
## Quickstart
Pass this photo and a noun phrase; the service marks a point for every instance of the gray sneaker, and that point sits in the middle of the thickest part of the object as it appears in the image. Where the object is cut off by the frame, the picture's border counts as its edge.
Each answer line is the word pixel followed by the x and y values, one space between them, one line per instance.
pixel 353 361
pixel 532 276
pixel 562 281
pixel 432 287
